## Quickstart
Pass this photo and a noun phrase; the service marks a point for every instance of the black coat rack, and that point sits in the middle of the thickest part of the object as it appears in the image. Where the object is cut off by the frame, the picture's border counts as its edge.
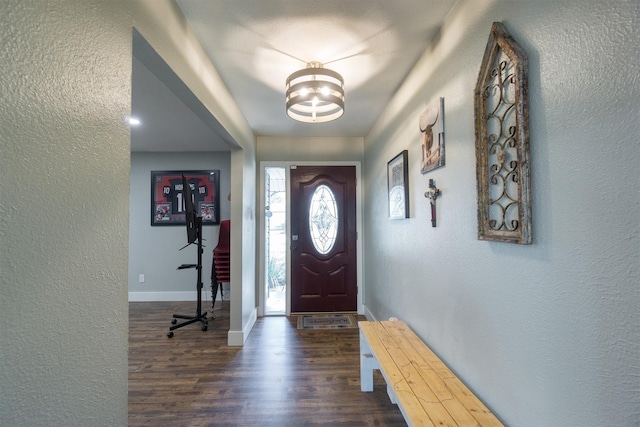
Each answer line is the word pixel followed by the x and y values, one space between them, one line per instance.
pixel 199 316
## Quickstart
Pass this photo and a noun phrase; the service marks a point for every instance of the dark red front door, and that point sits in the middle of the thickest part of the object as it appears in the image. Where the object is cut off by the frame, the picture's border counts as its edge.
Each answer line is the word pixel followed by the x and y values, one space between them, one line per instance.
pixel 323 246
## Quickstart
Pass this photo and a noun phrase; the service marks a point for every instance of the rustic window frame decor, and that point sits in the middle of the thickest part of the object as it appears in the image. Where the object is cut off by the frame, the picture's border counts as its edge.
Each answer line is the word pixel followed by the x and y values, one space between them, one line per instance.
pixel 502 141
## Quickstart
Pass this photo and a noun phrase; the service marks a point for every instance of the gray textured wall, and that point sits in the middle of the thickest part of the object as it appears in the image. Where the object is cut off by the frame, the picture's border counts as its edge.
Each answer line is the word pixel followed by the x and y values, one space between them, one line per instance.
pixel 65 84
pixel 546 334
pixel 66 89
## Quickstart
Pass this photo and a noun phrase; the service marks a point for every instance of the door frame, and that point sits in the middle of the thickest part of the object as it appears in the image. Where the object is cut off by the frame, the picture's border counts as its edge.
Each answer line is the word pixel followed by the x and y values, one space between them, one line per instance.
pixel 262 223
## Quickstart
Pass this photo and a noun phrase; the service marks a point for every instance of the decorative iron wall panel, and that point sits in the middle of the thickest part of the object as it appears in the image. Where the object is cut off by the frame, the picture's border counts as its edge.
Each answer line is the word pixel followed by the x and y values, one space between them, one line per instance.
pixel 502 141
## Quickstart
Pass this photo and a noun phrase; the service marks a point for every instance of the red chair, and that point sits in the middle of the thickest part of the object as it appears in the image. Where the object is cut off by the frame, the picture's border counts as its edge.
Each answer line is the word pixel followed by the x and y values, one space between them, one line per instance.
pixel 220 271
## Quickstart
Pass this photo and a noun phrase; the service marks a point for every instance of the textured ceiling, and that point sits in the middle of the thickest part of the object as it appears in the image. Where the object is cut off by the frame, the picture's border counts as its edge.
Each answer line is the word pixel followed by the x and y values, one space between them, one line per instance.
pixel 256 44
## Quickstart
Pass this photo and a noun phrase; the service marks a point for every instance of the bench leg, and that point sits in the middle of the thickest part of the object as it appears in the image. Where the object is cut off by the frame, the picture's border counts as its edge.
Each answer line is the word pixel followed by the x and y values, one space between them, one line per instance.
pixel 392 395
pixel 367 364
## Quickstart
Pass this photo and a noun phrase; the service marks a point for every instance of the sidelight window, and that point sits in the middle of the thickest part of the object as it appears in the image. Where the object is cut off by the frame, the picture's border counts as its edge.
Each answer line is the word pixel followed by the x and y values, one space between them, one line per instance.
pixel 275 272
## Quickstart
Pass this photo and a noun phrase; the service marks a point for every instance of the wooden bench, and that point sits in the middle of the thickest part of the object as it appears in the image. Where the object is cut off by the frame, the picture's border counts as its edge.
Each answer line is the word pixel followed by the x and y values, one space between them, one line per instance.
pixel 425 390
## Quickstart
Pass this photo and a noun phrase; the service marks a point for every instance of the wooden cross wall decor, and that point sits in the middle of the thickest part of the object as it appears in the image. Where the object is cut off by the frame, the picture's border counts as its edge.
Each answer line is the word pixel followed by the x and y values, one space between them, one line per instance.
pixel 432 194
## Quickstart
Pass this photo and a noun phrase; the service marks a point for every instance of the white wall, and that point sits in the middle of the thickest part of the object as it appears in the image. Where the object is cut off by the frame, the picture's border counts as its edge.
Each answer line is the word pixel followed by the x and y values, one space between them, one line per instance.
pixel 244 304
pixel 547 334
pixel 154 251
pixel 329 149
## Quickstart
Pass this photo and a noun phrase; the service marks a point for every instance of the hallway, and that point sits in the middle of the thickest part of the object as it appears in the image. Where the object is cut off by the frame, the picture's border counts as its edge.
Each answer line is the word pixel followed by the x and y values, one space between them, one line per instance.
pixel 281 377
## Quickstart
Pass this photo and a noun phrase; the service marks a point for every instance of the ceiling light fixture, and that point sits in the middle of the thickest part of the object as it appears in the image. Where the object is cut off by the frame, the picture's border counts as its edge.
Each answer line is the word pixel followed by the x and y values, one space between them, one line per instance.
pixel 315 94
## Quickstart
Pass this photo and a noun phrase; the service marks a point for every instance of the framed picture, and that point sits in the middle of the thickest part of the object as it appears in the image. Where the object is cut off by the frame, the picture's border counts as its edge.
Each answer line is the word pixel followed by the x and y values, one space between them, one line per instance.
pixel 431 124
pixel 167 204
pixel 398 186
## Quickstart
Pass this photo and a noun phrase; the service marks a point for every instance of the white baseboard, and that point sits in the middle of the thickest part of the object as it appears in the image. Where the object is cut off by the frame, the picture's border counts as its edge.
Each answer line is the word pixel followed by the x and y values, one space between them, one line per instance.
pixel 237 338
pixel 369 315
pixel 173 296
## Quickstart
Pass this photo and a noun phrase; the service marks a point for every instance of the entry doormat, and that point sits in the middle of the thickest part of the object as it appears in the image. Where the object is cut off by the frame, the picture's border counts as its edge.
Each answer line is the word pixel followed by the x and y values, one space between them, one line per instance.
pixel 327 321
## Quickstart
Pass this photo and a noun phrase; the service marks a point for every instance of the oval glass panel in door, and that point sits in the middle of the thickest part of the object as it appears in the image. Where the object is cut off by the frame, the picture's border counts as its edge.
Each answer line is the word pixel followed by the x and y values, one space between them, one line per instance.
pixel 323 219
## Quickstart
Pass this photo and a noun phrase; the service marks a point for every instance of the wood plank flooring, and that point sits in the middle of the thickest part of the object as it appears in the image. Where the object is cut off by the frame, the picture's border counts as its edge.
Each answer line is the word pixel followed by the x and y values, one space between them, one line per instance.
pixel 282 376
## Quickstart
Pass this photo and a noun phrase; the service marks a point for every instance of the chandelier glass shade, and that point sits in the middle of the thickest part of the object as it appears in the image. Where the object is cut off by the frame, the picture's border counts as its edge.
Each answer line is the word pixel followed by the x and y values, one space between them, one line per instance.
pixel 315 94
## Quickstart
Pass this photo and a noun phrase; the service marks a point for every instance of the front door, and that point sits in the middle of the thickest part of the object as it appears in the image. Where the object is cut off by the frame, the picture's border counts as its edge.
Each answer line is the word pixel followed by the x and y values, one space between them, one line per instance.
pixel 323 234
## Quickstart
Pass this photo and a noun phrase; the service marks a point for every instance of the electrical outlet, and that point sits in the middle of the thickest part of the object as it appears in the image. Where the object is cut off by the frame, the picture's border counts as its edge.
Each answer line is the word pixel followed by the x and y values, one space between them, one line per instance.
pixel 141 278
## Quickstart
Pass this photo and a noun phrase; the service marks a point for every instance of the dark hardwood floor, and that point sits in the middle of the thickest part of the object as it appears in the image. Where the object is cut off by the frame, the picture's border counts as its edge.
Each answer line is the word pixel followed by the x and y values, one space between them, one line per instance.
pixel 282 376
